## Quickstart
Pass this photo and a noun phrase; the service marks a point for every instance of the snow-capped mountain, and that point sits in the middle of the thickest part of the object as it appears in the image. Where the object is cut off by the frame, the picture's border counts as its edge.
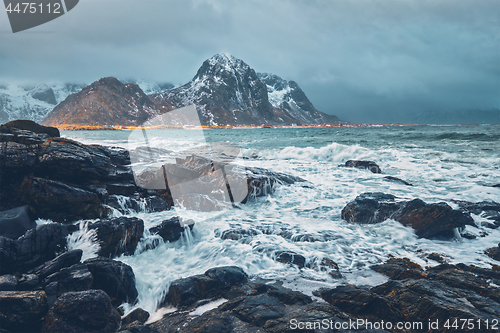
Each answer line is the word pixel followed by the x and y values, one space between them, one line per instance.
pixel 287 95
pixel 32 102
pixel 106 102
pixel 226 90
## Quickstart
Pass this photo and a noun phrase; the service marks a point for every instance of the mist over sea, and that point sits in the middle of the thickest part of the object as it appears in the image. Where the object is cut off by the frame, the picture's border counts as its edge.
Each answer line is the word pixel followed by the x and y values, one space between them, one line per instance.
pixel 444 163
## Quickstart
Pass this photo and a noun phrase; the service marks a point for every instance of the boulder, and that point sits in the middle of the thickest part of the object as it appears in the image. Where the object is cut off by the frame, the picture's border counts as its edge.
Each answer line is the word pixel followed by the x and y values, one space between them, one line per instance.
pixel 66 259
pixel 432 220
pixel 360 302
pixel 38 246
pixel 15 222
pixel 369 165
pixel 187 291
pixel 400 269
pixel 8 252
pixel 60 202
pixel 172 229
pixel 370 207
pixel 287 257
pixel 74 278
pixel 428 220
pixel 138 316
pixel 238 233
pixel 22 311
pixel 118 235
pixel 255 310
pixel 115 278
pixel 84 311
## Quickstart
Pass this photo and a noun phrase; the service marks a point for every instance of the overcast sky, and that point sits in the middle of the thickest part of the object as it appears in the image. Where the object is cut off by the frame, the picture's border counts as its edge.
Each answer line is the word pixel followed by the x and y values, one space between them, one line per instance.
pixel 362 60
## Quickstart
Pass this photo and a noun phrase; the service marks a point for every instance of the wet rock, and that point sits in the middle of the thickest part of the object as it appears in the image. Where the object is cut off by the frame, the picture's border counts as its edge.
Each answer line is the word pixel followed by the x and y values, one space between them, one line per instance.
pixel 27 282
pixel 370 207
pixel 493 252
pixel 172 229
pixel 497 185
pixel 74 278
pixel 115 278
pixel 8 282
pixel 15 222
pixel 288 296
pixel 432 220
pixel 8 252
pixel 428 220
pixel 359 302
pixel 369 165
pixel 238 233
pixel 66 259
pixel 121 189
pixel 138 328
pixel 287 257
pixel 255 310
pixel 436 257
pixel 118 235
pixel 326 265
pixel 60 202
pixel 400 269
pixel 85 311
pixel 486 209
pixel 397 180
pixel 138 315
pixel 22 311
pixel 187 291
pixel 38 245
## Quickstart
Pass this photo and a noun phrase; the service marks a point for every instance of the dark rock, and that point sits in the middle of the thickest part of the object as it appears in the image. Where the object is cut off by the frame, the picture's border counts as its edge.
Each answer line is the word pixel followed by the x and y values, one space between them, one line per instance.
pixel 74 278
pixel 27 282
pixel 230 275
pixel 397 180
pixel 64 260
pixel 326 264
pixel 370 207
pixel 288 296
pixel 369 165
pixel 400 269
pixel 115 278
pixel 288 257
pixel 255 310
pixel 138 315
pixel 8 282
pixel 60 202
pixel 31 126
pixel 137 328
pixel 487 209
pixel 235 234
pixel 493 252
pixel 185 292
pixel 497 185
pixel 118 235
pixel 40 245
pixel 428 220
pixel 15 222
pixel 432 220
pixel 8 252
pixel 22 311
pixel 357 301
pixel 85 311
pixel 172 229
pixel 121 189
pixel 436 257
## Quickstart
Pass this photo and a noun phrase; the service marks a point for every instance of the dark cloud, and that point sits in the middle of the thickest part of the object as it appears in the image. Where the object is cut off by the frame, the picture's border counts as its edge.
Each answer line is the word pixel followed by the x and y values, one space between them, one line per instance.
pixel 372 60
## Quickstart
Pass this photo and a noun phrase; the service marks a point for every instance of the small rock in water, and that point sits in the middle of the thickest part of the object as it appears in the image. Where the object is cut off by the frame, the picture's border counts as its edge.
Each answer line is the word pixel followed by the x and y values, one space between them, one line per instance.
pixel 493 253
pixel 288 257
pixel 138 315
pixel 172 229
pixel 397 180
pixel 369 165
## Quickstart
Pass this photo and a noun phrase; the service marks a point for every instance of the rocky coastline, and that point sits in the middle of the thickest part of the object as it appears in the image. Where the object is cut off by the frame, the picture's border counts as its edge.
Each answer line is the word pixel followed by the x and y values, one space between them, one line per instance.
pixel 44 287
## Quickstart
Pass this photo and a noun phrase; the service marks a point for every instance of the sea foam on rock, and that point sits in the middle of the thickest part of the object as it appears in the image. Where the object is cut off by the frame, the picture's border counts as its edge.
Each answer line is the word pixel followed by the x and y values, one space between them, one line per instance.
pixel 428 220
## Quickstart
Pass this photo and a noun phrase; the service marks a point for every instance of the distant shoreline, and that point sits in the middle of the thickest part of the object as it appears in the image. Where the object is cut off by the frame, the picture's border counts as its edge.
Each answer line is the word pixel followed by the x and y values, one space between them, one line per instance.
pixel 122 128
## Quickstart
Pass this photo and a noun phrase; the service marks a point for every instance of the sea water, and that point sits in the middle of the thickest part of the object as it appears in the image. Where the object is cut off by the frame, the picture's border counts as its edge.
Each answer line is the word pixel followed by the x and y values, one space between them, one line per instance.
pixel 444 163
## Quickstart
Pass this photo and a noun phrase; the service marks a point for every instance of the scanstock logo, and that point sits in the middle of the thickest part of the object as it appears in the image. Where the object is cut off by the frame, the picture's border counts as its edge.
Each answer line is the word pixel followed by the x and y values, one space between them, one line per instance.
pixel 25 15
